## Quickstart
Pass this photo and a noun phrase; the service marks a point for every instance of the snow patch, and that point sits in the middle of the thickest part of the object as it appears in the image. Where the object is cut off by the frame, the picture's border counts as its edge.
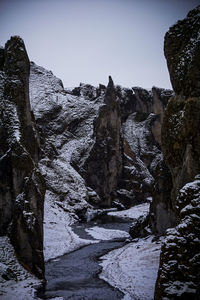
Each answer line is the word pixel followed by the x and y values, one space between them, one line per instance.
pixel 132 213
pixel 58 235
pixel 100 233
pixel 133 268
pixel 15 281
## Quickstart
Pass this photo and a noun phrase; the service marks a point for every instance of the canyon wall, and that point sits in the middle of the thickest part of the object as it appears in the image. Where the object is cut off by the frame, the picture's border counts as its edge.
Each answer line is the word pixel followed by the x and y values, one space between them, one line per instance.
pixel 179 270
pixel 22 186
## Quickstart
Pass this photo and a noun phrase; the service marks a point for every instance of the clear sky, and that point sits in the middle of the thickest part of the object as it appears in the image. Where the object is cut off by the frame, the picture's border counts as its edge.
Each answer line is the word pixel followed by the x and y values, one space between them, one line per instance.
pixel 87 40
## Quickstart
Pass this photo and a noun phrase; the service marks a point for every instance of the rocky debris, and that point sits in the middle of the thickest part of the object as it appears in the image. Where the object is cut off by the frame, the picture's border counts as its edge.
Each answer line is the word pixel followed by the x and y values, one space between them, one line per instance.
pixel 178 276
pixel 22 186
pixel 140 228
pixel 179 270
pixel 93 198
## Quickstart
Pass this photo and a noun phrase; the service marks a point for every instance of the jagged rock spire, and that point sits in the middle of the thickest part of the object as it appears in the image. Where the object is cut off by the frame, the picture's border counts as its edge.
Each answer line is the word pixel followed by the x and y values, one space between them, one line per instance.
pixel 110 97
pixel 22 186
pixel 110 82
pixel 105 159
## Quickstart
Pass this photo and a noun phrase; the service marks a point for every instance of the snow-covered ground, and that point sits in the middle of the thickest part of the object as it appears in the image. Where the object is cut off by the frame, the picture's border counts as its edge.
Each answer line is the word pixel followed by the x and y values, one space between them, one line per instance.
pixel 58 235
pixel 15 282
pixel 103 234
pixel 132 213
pixel 66 193
pixel 133 268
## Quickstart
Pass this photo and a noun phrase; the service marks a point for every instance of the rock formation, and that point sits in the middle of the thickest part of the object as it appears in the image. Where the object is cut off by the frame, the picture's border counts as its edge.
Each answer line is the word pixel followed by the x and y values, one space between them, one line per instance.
pixel 103 138
pixel 179 270
pixel 22 186
pixel 103 167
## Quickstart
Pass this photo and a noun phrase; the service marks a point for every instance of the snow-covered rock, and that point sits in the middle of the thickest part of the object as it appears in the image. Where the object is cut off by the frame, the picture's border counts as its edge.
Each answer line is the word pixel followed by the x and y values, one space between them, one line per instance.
pixel 68 121
pixel 15 281
pixel 179 271
pixel 178 276
pixel 22 186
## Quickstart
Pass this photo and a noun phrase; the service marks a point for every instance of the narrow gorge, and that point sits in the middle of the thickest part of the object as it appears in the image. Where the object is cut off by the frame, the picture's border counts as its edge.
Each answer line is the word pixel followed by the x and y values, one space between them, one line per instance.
pixel 109 171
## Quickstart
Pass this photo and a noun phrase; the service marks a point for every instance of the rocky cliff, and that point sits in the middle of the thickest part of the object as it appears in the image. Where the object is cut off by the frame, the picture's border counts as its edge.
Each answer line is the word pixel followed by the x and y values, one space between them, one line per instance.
pixel 97 143
pixel 103 166
pixel 179 270
pixel 22 186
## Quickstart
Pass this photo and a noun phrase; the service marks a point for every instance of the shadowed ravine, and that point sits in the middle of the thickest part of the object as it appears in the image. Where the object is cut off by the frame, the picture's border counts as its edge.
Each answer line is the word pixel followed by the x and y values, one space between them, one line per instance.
pixel 75 275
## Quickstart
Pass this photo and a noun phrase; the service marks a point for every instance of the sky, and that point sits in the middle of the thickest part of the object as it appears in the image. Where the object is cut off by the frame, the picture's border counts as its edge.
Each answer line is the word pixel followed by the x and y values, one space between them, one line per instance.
pixel 88 40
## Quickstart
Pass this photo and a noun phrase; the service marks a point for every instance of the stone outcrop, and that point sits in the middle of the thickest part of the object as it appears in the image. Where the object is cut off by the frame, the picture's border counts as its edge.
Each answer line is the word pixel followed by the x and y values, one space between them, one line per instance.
pixel 103 167
pixel 127 138
pixel 22 186
pixel 178 276
pixel 181 49
pixel 180 131
pixel 143 101
pixel 179 271
pixel 162 214
pixel 142 115
pixel 180 134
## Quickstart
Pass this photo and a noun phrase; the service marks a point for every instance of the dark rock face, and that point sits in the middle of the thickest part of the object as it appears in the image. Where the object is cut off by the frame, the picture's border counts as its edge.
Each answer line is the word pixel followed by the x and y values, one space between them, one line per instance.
pixel 182 46
pixel 127 134
pixel 178 276
pixel 22 186
pixel 179 271
pixel 162 215
pixel 104 165
pixel 142 114
pixel 180 134
pixel 2 58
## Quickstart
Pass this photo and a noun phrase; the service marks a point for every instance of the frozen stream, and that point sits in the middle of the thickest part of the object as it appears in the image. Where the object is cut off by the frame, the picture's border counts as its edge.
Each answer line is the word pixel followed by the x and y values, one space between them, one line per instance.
pixel 75 275
pixel 96 271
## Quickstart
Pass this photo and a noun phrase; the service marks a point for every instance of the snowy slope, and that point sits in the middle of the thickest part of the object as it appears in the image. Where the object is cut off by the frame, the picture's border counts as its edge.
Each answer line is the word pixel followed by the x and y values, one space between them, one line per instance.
pixel 133 268
pixel 65 124
pixel 15 281
pixel 65 120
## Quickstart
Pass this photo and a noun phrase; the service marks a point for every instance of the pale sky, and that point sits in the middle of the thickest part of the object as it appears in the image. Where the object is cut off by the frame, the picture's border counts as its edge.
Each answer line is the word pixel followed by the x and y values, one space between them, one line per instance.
pixel 88 40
